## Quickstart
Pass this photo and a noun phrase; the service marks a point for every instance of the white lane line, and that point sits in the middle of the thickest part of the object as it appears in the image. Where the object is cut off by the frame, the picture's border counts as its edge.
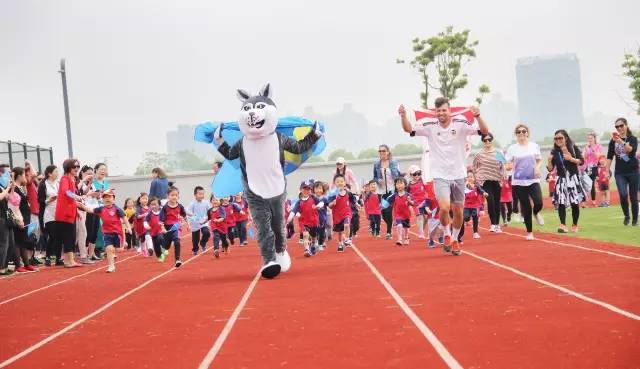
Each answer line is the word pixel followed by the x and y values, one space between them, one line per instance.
pixel 559 288
pixel 104 307
pixel 422 327
pixel 217 345
pixel 574 246
pixel 61 282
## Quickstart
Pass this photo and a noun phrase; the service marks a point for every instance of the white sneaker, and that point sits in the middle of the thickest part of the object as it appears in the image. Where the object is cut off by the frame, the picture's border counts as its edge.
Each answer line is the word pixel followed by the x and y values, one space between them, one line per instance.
pixel 529 236
pixel 284 260
pixel 111 269
pixel 492 228
pixel 539 219
pixel 476 235
pixel 270 270
pixel 498 229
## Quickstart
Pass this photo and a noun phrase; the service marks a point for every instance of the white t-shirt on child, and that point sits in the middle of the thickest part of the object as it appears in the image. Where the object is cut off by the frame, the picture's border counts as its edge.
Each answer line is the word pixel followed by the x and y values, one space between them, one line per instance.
pixel 447 146
pixel 524 163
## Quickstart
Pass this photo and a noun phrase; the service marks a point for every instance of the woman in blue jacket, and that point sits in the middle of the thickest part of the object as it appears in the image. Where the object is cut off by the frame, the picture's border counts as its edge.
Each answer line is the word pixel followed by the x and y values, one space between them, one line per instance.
pixel 385 171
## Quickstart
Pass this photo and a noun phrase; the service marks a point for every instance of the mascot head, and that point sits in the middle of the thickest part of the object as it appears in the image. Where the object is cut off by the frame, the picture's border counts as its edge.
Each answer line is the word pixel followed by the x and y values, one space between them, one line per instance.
pixel 258 114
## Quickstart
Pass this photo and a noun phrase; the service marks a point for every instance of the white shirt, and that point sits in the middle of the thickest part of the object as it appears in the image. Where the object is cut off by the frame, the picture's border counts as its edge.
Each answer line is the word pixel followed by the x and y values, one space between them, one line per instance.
pixel 447 146
pixel 265 176
pixel 50 209
pixel 524 159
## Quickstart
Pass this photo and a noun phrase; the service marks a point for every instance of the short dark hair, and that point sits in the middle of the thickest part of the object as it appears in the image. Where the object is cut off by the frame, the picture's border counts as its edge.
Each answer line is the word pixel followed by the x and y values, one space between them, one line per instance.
pixel 17 171
pixel 198 188
pixel 337 176
pixel 95 168
pixel 152 199
pixel 172 189
pixel 48 170
pixel 441 101
pixel 488 134
pixel 68 164
pixel 159 172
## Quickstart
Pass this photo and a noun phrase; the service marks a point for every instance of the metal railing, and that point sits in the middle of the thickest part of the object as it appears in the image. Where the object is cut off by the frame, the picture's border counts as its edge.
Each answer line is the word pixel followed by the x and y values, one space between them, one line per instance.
pixel 15 153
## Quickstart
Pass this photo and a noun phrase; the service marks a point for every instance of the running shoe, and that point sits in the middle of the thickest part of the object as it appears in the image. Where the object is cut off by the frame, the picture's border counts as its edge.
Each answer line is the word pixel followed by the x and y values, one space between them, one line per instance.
pixel 307 253
pixel 165 252
pixel 421 236
pixel 74 265
pixel 59 262
pixel 47 262
pixel 406 242
pixel 388 236
pixel 539 219
pixel 161 257
pixel 86 261
pixel 562 229
pixel 529 236
pixel 111 269
pixel 340 248
pixel 476 235
pixel 31 268
pixel 455 248
pixel 498 229
pixel 446 245
pixel 216 253
pixel 431 244
pixel 21 269
pixel 35 261
pixel 399 242
pixel 178 263
pixel 626 221
pixel 574 228
pixel 492 228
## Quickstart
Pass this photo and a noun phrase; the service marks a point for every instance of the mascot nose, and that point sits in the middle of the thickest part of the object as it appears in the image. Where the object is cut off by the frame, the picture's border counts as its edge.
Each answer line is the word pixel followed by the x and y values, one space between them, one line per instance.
pixel 251 114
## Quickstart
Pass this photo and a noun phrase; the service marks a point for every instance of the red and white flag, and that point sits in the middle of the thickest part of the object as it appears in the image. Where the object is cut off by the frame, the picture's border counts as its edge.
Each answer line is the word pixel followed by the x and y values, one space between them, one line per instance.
pixel 429 115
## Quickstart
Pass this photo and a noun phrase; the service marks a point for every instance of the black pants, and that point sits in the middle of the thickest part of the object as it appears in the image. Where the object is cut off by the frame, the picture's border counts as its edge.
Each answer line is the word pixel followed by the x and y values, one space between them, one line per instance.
pixel 241 231
pixel 514 201
pixel 200 242
pixel 169 237
pixel 493 201
pixel 506 209
pixel 575 213
pixel 219 238
pixel 474 219
pixel 387 214
pixel 374 223
pixel 355 223
pixel 63 236
pixel 157 244
pixel 524 194
pixel 322 233
pixel 594 176
pixel 231 234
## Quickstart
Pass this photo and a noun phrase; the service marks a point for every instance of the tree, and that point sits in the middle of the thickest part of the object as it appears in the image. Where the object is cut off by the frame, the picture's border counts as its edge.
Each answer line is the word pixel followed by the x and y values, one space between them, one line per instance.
pixel 449 52
pixel 406 149
pixel 154 160
pixel 631 66
pixel 482 90
pixel 368 154
pixel 341 152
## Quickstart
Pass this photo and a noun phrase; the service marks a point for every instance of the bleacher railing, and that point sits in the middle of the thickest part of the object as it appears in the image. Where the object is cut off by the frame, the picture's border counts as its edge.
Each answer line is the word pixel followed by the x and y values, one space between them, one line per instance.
pixel 15 153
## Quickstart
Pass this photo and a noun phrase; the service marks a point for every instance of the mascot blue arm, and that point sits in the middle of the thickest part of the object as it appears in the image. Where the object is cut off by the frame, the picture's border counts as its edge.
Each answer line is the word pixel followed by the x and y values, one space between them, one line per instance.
pixel 228 181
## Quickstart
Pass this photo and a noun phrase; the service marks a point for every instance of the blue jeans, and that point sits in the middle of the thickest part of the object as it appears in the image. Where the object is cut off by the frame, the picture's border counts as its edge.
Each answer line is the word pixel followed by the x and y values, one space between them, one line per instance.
pixel 628 189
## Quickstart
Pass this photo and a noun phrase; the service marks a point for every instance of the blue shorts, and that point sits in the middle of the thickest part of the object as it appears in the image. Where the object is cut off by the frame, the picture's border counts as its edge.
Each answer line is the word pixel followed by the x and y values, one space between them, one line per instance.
pixel 112 239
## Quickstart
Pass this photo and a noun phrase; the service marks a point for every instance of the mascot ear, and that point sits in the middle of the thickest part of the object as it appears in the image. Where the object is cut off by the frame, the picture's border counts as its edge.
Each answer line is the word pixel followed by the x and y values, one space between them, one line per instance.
pixel 266 91
pixel 243 95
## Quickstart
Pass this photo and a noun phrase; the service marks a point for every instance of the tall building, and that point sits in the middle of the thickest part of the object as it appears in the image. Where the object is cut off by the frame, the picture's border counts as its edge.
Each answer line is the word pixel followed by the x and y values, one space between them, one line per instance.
pixel 550 93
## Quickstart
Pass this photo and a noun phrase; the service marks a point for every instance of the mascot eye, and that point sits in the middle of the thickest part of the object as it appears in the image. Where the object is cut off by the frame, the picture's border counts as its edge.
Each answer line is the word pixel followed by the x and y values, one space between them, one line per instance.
pixel 247 107
pixel 260 105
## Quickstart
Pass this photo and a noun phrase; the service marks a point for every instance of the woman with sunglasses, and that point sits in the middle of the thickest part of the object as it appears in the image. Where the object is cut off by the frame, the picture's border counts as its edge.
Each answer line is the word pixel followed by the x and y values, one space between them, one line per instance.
pixel 624 146
pixel 523 157
pixel 488 168
pixel 565 158
pixel 385 171
pixel 64 230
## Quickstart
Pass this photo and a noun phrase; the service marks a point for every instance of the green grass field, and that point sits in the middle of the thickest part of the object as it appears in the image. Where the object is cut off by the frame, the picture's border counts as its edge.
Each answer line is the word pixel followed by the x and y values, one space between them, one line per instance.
pixel 603 224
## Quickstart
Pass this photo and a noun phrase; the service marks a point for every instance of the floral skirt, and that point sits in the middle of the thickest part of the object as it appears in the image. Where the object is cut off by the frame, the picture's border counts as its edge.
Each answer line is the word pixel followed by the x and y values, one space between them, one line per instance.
pixel 568 191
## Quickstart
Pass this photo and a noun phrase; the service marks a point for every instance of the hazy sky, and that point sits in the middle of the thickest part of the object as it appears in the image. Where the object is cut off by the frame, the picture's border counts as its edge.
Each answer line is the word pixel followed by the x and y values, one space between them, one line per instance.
pixel 138 68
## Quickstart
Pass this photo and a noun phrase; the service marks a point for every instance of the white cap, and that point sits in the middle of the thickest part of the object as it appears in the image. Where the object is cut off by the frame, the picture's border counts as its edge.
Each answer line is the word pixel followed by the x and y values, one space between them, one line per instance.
pixel 340 160
pixel 413 169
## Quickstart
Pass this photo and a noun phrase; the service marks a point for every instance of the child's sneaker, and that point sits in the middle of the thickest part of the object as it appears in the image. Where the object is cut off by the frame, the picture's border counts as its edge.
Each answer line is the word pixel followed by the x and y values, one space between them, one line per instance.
pixel 492 228
pixel 388 236
pixel 406 242
pixel 476 235
pixel 340 248
pixel 455 248
pixel 307 253
pixel 165 252
pixel 111 269
pixel 441 240
pixel 498 229
pixel 431 244
pixel 314 250
pixel 178 263
pixel 399 242
pixel 161 257
pixel 216 253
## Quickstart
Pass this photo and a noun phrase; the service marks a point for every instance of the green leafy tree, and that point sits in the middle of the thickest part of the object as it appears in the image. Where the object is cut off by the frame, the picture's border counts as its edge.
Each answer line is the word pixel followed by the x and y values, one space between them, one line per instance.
pixel 368 154
pixel 406 149
pixel 631 66
pixel 154 160
pixel 341 152
pixel 482 91
pixel 448 52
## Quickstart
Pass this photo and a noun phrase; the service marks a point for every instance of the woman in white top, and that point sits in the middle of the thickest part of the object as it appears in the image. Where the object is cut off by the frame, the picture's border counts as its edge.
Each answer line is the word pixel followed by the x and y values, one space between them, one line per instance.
pixel 523 157
pixel 84 189
pixel 51 185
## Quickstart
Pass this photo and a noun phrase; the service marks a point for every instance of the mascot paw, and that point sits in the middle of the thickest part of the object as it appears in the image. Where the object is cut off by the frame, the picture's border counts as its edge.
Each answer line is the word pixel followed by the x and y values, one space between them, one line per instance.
pixel 217 135
pixel 316 129
pixel 284 260
pixel 270 270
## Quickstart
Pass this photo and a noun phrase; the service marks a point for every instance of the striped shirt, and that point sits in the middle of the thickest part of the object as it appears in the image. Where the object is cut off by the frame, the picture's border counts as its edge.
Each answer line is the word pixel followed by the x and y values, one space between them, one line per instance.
pixel 486 167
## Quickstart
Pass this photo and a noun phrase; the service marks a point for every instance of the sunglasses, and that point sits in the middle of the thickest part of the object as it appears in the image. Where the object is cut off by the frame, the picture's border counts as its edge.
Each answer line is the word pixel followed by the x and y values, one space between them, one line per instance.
pixel 521 131
pixel 339 164
pixel 382 150
pixel 76 167
pixel 417 174
pixel 559 138
pixel 487 140
pixel 618 126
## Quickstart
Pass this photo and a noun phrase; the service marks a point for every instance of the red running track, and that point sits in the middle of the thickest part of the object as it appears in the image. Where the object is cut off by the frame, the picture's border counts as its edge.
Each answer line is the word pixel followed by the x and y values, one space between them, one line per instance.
pixel 333 311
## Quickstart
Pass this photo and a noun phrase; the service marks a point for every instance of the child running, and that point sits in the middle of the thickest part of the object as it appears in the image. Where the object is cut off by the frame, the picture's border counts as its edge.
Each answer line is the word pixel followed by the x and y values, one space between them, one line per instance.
pixel 506 201
pixel 230 209
pixel 418 192
pixel 320 189
pixel 551 179
pixel 129 213
pixel 197 212
pixel 340 204
pixel 603 182
pixel 473 198
pixel 372 207
pixel 217 222
pixel 112 220
pixel 153 227
pixel 144 238
pixel 307 210
pixel 242 218
pixel 401 203
pixel 172 215
pixel 430 208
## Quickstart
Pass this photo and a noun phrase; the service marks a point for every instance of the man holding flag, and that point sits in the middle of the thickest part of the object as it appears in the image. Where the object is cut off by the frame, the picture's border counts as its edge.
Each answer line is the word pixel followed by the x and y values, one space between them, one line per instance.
pixel 446 136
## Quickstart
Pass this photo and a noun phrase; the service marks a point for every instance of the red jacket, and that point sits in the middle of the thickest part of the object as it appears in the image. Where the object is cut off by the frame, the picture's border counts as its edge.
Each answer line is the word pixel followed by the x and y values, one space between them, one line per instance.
pixel 372 204
pixel 245 209
pixel 66 208
pixel 32 196
pixel 473 198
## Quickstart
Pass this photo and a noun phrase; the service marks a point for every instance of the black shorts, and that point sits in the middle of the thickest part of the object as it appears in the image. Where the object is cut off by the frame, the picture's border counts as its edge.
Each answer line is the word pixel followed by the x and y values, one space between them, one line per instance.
pixel 339 227
pixel 313 231
pixel 112 239
pixel 405 223
pixel 603 186
pixel 469 213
